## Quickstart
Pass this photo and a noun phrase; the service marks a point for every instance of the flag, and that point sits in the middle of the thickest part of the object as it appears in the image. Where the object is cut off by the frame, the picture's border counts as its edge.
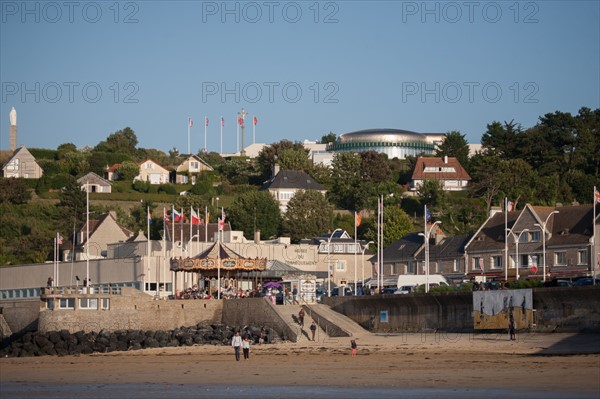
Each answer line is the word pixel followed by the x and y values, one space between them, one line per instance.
pixel 255 121
pixel 59 239
pixel 357 218
pixel 221 224
pixel 190 122
pixel 165 216
pixel 206 121
pixel 195 218
pixel 222 122
pixel 176 216
pixel 427 214
pixel 240 121
pixel 510 206
pixel 223 215
pixel 596 196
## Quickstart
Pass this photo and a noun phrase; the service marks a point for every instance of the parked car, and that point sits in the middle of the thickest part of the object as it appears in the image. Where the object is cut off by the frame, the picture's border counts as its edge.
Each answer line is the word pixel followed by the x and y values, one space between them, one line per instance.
pixel 585 281
pixel 560 283
pixel 336 291
pixel 389 290
pixel 405 289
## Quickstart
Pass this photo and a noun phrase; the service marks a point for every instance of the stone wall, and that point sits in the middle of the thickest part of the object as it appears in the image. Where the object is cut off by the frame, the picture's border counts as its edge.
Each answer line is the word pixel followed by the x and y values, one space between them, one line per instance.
pixel 131 310
pixel 568 309
pixel 257 311
pixel 21 315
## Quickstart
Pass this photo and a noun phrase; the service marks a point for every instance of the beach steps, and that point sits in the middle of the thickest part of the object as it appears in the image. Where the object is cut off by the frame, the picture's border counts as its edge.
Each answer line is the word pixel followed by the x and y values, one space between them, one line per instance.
pixel 289 313
pixel 336 324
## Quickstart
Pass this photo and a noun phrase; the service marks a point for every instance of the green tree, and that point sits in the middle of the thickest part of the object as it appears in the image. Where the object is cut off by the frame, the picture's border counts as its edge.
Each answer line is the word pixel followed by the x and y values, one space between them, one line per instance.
pixel 269 155
pixel 255 210
pixel 124 141
pixel 374 167
pixel 503 140
pixel 328 138
pixel 294 159
pixel 308 215
pixel 349 191
pixel 237 170
pixel 128 170
pixel 64 149
pixel 73 202
pixel 455 145
pixel 14 191
pixel 396 224
pixel 432 193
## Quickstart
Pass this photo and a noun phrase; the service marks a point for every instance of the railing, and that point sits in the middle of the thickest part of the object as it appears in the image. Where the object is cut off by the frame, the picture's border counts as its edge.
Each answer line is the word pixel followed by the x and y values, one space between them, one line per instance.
pixel 36 293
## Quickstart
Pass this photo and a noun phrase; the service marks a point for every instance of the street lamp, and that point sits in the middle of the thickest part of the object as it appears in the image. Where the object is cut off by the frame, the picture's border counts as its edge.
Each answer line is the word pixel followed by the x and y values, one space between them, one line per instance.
pixel 426 236
pixel 543 227
pixel 517 238
pixel 329 271
pixel 363 263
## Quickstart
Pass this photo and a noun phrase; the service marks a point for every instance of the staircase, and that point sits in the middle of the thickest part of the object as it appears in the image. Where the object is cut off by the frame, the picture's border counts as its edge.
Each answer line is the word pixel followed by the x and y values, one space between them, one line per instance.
pixel 289 313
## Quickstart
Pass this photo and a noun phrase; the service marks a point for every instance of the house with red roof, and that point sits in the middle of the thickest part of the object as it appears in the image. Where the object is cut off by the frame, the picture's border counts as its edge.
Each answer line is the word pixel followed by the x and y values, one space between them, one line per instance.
pixel 447 170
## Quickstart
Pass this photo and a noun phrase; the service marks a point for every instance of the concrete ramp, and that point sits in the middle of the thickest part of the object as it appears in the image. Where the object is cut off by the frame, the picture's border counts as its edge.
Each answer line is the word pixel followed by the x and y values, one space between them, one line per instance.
pixel 289 313
pixel 335 324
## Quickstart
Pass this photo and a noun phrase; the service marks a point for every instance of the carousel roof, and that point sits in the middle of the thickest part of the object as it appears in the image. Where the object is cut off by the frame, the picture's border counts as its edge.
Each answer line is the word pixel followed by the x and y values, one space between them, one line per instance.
pixel 218 249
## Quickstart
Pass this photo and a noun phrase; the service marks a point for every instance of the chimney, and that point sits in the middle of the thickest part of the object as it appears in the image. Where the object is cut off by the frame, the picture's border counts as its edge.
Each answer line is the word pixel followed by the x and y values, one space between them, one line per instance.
pixel 445 158
pixel 257 237
pixel 275 169
pixel 494 210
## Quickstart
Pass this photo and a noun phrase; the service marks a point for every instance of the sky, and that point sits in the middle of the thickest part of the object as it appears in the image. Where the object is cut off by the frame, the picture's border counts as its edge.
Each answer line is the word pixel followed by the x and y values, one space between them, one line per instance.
pixel 79 71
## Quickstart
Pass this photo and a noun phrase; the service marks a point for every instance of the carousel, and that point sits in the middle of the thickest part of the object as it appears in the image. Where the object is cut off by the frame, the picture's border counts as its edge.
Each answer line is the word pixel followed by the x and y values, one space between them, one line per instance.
pixel 218 268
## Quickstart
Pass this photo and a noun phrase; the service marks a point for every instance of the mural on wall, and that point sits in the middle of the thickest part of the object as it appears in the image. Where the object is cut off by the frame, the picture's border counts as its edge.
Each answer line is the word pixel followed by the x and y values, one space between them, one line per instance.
pixel 493 310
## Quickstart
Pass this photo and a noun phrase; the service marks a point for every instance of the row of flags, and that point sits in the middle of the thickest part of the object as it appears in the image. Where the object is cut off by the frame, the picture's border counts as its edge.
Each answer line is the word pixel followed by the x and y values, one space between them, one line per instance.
pixel 240 121
pixel 194 218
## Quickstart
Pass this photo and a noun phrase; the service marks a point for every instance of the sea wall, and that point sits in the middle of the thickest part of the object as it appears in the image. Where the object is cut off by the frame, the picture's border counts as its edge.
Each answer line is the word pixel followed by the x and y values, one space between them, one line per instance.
pixel 131 310
pixel 563 309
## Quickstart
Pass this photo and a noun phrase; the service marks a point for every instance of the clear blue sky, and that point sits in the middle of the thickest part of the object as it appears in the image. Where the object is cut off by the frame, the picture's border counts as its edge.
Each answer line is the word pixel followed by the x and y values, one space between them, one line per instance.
pixel 426 67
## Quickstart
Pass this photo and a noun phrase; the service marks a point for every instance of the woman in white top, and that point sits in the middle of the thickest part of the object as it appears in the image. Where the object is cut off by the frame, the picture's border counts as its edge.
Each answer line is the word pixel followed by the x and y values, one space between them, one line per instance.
pixel 236 342
pixel 246 347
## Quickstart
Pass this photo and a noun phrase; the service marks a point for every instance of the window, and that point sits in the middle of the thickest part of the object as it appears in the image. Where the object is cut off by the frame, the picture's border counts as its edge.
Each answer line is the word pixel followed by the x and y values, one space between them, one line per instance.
pixel 523 238
pixel 478 263
pixel 66 303
pixel 148 165
pixel 536 236
pixel 285 195
pixel 410 268
pixel 393 269
pixel 582 257
pixel 560 258
pixel 105 303
pixel 88 303
pixel 497 262
pixel 194 165
pixel 455 265
pixel 438 266
pixel 340 266
pixel 338 248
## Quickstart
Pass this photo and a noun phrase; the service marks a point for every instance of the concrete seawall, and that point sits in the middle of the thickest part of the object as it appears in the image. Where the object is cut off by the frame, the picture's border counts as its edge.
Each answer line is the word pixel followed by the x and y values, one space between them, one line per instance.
pixel 562 309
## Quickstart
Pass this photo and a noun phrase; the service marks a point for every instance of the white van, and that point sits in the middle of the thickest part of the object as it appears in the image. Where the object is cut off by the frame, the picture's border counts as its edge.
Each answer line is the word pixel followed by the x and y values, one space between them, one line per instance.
pixel 421 279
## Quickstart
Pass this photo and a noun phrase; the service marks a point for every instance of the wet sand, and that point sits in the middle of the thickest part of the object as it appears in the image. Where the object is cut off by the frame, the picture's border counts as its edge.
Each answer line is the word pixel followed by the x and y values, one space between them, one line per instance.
pixel 551 363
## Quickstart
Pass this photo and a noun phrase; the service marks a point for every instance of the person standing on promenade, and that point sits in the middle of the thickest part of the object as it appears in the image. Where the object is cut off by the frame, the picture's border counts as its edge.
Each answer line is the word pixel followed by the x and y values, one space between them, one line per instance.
pixel 246 347
pixel 49 282
pixel 236 342
pixel 301 317
pixel 353 346
pixel 313 330
pixel 512 330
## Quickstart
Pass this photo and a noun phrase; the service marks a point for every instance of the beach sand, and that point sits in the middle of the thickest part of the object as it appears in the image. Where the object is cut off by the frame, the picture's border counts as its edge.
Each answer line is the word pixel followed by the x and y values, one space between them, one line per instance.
pixel 539 362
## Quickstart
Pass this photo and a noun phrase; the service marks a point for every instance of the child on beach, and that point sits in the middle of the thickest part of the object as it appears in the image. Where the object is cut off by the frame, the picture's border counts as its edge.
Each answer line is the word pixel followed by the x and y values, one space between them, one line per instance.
pixel 353 346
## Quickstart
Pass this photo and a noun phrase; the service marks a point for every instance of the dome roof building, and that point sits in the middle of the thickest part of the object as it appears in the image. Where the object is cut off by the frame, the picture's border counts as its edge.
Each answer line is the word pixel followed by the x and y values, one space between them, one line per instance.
pixel 395 143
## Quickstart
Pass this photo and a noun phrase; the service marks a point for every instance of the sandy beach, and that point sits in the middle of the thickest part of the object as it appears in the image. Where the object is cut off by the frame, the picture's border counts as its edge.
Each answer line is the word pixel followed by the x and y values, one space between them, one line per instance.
pixel 554 364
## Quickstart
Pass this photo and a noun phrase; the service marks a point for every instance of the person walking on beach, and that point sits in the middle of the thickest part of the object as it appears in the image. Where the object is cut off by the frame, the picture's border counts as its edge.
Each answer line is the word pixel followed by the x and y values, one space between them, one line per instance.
pixel 353 346
pixel 236 342
pixel 301 317
pixel 313 330
pixel 512 330
pixel 246 347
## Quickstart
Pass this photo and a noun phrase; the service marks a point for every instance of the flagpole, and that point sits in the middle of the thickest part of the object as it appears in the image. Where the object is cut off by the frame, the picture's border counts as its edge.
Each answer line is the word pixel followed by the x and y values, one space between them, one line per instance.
pixel 237 139
pixel 426 242
pixel 381 264
pixel 147 271
pixel 206 223
pixel 164 249
pixel 355 255
pixel 205 127
pixel 173 275
pixel 594 260
pixel 87 237
pixel 506 240
pixel 222 123
pixel 189 125
pixel 254 130
pixel 54 262
pixel 57 263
